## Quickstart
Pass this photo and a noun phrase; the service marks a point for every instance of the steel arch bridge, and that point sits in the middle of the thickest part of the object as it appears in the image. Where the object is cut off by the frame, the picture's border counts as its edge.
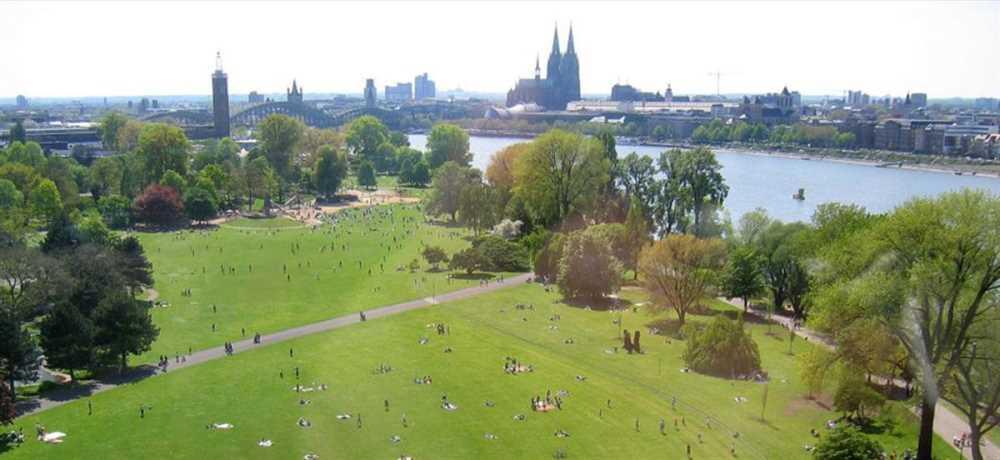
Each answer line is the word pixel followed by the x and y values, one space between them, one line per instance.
pixel 181 117
pixel 304 113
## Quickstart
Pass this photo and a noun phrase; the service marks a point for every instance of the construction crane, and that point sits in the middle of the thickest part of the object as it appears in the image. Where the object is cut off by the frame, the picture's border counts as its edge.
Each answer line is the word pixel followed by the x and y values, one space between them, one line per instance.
pixel 718 78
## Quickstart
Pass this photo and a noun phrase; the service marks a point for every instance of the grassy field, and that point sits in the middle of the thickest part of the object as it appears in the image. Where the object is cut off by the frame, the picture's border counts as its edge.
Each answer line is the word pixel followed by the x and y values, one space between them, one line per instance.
pixel 265 275
pixel 247 391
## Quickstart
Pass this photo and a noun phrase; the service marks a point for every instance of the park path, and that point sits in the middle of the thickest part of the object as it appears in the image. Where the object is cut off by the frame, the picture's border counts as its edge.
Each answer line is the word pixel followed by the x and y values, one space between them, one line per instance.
pixel 59 397
pixel 947 424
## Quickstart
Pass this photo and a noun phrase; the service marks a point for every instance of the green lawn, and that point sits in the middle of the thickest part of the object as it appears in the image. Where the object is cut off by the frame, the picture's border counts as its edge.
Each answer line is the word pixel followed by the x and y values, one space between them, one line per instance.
pixel 216 265
pixel 246 390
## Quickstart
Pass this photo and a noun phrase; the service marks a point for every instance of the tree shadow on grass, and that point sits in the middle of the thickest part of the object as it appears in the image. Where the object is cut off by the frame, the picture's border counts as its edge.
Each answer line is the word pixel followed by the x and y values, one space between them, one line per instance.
pixel 667 327
pixel 598 304
pixel 473 276
pixel 77 390
pixel 733 315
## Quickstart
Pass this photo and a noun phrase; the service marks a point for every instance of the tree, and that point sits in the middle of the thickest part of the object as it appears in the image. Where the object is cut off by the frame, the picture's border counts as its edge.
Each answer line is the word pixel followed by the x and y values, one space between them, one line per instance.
pixel 331 169
pixel 547 258
pixel 111 124
pixel 636 235
pixel 448 142
pixel 366 174
pixel 17 132
pixel 45 200
pixel 158 205
pixel 124 327
pixel 93 230
pixel 742 276
pixel 606 137
pixel 847 443
pixel 133 265
pixel 116 211
pixel 60 234
pixel 10 196
pixel 449 181
pixel 854 395
pixel 636 176
pixel 19 356
pixel 468 259
pixel 364 136
pixel 588 269
pixel 500 171
pixel 163 148
pixel 501 255
pixel 782 266
pixel 974 388
pixel 421 175
pixel 477 207
pixel 129 135
pixel 434 255
pixel 672 202
pixel 313 141
pixel 200 204
pixel 279 136
pixel 67 337
pixel 930 270
pixel 260 182
pixel 700 175
pixel 105 177
pixel 561 173
pixel 722 349
pixel 680 270
pixel 175 181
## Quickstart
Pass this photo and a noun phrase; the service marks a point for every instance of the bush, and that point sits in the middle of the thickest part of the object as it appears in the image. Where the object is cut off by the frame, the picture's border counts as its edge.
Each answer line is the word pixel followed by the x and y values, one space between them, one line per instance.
pixel 587 268
pixel 468 259
pixel 722 348
pixel 199 204
pixel 434 255
pixel 847 443
pixel 854 395
pixel 159 205
pixel 547 259
pixel 501 255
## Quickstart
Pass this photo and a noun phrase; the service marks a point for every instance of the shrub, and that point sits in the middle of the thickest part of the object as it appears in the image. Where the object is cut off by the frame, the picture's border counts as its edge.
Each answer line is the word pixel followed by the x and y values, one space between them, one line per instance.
pixel 199 204
pixel 854 395
pixel 847 443
pixel 722 348
pixel 468 259
pixel 547 259
pixel 501 255
pixel 115 210
pixel 434 255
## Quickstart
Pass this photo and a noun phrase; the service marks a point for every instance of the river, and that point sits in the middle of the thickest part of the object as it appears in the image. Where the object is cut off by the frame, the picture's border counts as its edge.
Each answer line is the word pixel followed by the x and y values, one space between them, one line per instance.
pixel 768 182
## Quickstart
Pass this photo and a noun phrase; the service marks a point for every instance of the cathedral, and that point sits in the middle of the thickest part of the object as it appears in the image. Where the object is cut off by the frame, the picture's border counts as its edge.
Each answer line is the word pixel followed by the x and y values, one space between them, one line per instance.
pixel 560 85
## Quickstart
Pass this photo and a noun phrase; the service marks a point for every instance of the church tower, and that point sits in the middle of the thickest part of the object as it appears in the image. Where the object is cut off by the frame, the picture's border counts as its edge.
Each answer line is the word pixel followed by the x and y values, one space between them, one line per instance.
pixel 220 99
pixel 569 73
pixel 555 60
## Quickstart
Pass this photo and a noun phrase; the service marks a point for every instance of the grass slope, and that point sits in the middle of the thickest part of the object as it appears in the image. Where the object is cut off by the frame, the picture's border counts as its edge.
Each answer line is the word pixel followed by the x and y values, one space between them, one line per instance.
pixel 246 390
pixel 216 266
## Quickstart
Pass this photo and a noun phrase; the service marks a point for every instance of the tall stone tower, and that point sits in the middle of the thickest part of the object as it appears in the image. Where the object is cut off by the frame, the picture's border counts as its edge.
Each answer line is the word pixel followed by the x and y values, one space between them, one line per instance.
pixel 220 99
pixel 569 73
pixel 555 59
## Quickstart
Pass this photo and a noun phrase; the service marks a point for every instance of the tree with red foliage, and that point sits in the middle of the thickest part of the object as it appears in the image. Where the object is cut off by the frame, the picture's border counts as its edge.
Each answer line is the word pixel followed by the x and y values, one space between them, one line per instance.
pixel 158 205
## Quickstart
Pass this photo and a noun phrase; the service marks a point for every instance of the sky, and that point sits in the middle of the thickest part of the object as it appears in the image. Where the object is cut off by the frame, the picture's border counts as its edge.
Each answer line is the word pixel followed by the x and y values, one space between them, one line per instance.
pixel 78 49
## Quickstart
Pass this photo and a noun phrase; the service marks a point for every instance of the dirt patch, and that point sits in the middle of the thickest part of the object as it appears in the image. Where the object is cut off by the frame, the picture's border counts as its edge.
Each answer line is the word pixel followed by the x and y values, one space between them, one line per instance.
pixel 151 294
pixel 821 402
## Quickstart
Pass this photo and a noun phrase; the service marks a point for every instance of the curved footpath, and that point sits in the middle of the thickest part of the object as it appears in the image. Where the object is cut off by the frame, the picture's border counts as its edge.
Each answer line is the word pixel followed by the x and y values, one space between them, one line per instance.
pixel 59 397
pixel 947 423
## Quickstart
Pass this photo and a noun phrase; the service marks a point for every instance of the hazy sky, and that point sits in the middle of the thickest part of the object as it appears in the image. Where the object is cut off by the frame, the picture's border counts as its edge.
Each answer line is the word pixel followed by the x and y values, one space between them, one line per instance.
pixel 144 48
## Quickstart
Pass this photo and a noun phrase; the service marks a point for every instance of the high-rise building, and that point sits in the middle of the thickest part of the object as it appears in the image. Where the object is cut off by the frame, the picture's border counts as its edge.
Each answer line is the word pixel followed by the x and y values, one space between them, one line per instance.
pixel 143 105
pixel 220 99
pixel 255 98
pixel 22 102
pixel 402 92
pixel 294 95
pixel 371 94
pixel 423 87
pixel 918 100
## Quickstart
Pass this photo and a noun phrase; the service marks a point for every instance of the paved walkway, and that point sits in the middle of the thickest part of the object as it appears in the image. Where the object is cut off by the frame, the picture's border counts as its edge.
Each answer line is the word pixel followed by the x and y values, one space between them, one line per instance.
pixel 947 424
pixel 57 398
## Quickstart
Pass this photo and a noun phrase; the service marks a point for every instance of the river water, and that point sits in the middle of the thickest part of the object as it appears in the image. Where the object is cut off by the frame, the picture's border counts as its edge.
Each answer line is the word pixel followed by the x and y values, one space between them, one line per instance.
pixel 763 181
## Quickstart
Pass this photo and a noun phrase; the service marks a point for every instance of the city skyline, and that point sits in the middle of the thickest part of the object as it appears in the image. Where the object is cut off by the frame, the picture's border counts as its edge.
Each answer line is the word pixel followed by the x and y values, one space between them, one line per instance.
pixel 815 48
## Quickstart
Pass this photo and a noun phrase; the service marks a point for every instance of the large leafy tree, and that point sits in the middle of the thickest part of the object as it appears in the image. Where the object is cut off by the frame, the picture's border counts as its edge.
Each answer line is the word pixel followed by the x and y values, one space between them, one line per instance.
pixel 588 268
pixel 260 182
pixel 448 142
pixel 331 169
pixel 560 174
pixel 67 336
pixel 159 205
pixel 700 175
pixel 45 200
pixel 781 251
pixel 449 181
pixel 364 136
pixel 163 147
pixel 636 175
pixel 111 124
pixel 742 275
pixel 477 207
pixel 279 136
pixel 366 175
pixel 124 327
pixel 105 177
pixel 200 204
pixel 680 270
pixel 671 200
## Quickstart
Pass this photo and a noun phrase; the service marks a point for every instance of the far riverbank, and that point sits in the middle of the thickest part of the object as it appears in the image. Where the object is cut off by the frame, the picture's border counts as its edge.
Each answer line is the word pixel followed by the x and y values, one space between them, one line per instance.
pixel 875 158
